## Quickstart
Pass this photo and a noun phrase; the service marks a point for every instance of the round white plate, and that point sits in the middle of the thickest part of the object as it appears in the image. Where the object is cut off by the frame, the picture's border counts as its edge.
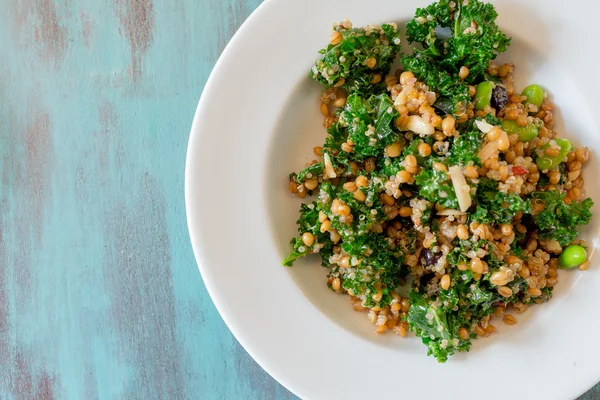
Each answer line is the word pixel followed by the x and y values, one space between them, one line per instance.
pixel 258 120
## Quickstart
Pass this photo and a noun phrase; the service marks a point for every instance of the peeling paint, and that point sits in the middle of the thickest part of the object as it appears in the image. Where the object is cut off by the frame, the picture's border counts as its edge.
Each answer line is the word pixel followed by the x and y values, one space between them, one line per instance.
pixel 23 372
pixel 108 136
pixel 38 22
pixel 4 354
pixel 45 388
pixel 86 28
pixel 137 26
pixel 25 385
pixel 40 156
pixel 139 276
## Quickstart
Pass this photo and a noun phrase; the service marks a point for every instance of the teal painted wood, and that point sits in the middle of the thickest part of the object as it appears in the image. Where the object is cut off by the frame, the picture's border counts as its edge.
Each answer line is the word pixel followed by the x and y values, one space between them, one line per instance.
pixel 100 297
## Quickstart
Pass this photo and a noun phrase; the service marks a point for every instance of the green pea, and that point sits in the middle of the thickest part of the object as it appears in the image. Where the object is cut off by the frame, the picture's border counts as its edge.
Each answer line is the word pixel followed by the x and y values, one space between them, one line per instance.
pixel 483 95
pixel 547 163
pixel 572 256
pixel 534 94
pixel 526 133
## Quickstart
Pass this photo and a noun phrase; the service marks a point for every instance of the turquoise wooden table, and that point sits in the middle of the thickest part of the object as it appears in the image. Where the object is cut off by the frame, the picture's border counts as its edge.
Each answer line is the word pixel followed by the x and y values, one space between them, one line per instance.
pixel 100 296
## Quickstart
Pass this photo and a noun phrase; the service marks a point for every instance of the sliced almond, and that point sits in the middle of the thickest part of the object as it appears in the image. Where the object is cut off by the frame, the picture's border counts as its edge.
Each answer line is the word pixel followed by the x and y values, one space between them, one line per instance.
pixel 451 211
pixel 488 150
pixel 329 171
pixel 461 188
pixel 417 125
pixel 483 126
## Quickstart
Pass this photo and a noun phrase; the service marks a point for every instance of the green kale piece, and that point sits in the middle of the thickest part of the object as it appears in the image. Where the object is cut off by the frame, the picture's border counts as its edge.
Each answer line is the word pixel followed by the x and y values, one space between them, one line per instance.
pixel 307 222
pixel 436 187
pixel 314 170
pixel 476 38
pixel 336 135
pixel 378 261
pixel 517 250
pixel 461 247
pixel 297 245
pixel 391 166
pixel 368 122
pixel 454 94
pixel 413 148
pixel 490 119
pixel 474 41
pixel 438 317
pixel 559 220
pixel 466 146
pixel 381 262
pixel 495 207
pixel 386 116
pixel 348 59
pixel 363 218
pixel 437 328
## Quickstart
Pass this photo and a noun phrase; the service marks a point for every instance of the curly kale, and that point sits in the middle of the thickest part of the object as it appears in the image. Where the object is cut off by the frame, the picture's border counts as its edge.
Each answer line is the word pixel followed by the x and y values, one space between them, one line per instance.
pixel 310 171
pixel 495 207
pixel 559 220
pixel 475 38
pixel 436 187
pixel 382 262
pixel 349 60
pixel 379 263
pixel 437 327
pixel 437 318
pixel 474 41
pixel 368 122
pixel 307 222
pixel 465 147
pixel 448 85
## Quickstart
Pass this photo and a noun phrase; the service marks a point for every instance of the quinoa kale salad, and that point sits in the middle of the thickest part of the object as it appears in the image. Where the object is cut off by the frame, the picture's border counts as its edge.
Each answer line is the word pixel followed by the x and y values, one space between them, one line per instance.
pixel 441 180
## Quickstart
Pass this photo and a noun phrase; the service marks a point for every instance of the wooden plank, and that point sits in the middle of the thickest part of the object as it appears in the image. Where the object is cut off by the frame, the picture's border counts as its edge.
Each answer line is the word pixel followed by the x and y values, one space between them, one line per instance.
pixel 100 296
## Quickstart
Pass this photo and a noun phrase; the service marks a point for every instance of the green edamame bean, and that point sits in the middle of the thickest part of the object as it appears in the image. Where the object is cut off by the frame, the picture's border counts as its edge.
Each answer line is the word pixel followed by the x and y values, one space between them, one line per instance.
pixel 534 94
pixel 572 256
pixel 526 133
pixel 483 95
pixel 547 163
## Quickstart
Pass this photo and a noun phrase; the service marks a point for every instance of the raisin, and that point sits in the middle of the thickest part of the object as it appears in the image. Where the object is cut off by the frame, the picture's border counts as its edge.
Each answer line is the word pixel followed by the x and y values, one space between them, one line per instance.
pixel 429 258
pixel 499 97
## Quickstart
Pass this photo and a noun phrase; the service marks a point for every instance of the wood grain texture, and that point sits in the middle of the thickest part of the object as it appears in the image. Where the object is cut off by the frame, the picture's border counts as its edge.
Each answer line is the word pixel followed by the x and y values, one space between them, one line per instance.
pixel 100 296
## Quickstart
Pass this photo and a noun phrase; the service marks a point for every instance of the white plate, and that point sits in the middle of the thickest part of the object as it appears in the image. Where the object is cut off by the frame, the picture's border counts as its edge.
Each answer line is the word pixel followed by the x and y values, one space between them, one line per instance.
pixel 258 120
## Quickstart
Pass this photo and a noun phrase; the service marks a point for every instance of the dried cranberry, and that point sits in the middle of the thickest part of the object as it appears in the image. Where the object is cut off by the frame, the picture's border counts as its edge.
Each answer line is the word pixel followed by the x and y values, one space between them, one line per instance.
pixel 428 258
pixel 499 97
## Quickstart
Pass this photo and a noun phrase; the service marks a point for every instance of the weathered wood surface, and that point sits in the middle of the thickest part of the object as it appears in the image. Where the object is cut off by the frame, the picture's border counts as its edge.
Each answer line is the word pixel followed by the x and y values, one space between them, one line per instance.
pixel 100 297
